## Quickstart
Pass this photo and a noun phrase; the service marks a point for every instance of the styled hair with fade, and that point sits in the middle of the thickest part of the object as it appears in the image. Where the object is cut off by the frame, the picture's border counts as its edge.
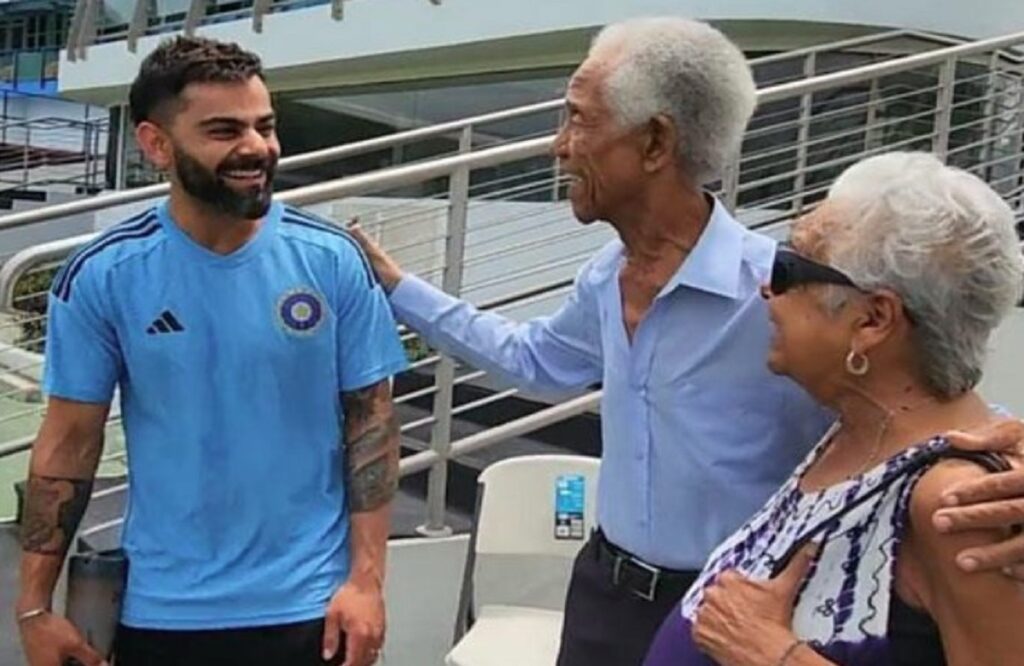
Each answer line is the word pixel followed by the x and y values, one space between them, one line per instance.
pixel 178 62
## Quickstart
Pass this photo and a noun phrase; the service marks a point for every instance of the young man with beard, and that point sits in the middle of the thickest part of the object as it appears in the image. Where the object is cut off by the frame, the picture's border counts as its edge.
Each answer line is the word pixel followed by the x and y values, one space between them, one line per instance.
pixel 253 349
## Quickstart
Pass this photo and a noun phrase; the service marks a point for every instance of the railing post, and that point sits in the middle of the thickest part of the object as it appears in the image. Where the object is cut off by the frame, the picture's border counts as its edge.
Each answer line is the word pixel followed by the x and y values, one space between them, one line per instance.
pixel 556 164
pixel 1017 145
pixel 25 154
pixel 86 153
pixel 138 25
pixel 77 17
pixel 872 138
pixel 259 10
pixel 101 139
pixel 944 108
pixel 89 27
pixel 803 134
pixel 731 180
pixel 444 376
pixel 195 15
pixel 989 148
pixel 120 148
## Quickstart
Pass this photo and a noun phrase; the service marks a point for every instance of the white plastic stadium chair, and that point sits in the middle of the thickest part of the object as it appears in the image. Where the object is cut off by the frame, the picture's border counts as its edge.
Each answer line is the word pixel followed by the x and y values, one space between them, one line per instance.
pixel 533 515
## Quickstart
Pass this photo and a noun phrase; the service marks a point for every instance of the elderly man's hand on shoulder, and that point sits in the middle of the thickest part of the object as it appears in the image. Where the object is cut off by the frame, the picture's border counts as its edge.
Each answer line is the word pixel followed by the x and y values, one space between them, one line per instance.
pixel 991 501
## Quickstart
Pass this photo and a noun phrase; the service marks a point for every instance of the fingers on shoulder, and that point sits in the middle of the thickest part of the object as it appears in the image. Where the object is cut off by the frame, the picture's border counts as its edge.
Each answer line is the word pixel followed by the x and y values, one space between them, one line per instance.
pixel 927 498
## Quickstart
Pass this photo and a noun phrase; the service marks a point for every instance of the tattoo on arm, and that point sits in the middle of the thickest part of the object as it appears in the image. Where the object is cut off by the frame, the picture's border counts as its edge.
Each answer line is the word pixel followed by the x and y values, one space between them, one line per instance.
pixel 371 447
pixel 53 510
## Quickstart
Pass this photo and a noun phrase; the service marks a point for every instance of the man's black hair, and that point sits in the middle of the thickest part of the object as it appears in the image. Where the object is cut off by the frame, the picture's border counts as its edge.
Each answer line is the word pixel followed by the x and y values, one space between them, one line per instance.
pixel 183 60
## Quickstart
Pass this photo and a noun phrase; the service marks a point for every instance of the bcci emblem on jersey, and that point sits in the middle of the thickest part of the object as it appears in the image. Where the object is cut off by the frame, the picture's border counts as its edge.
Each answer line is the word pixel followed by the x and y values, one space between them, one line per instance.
pixel 300 311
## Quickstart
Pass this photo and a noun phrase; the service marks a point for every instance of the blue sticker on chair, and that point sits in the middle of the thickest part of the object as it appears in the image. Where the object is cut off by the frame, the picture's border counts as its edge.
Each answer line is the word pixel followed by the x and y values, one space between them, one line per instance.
pixel 570 500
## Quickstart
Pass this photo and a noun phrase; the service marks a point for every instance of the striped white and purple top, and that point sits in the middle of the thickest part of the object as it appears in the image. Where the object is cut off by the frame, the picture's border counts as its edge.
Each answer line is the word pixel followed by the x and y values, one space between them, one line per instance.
pixel 843 609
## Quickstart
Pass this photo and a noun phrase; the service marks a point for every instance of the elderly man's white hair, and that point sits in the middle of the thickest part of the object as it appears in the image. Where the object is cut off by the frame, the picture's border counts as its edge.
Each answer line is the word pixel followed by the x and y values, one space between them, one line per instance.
pixel 691 72
pixel 945 242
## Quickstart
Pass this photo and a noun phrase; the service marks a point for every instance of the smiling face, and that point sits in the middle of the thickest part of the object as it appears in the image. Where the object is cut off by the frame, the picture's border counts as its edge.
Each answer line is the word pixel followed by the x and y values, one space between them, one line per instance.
pixel 219 143
pixel 810 342
pixel 604 161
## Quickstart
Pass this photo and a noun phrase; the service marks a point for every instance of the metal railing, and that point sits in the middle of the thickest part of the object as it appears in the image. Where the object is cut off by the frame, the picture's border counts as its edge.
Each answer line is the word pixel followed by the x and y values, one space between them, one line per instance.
pixel 810 59
pixel 66 147
pixel 456 128
pixel 490 225
pixel 47 151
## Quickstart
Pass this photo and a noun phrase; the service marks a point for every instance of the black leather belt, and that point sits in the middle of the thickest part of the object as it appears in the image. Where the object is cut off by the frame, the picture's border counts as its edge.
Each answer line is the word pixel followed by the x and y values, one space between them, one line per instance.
pixel 645 580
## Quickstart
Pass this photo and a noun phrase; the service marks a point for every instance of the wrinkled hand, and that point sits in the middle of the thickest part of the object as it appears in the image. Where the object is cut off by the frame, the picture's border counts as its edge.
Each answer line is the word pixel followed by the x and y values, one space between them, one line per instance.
pixel 743 622
pixel 990 501
pixel 50 640
pixel 357 610
pixel 388 271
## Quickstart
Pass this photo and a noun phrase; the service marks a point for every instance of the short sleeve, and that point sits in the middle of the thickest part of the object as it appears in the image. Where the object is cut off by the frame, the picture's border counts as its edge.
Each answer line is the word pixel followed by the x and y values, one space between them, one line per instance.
pixel 83 359
pixel 369 349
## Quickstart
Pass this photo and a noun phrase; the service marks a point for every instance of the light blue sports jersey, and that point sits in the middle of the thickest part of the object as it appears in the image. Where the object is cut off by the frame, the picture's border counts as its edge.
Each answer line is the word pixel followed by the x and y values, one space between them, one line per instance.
pixel 230 368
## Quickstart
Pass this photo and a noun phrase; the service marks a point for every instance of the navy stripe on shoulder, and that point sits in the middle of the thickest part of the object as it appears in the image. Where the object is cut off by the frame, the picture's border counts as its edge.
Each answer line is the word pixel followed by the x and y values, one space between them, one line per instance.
pixel 309 222
pixel 131 224
pixel 147 227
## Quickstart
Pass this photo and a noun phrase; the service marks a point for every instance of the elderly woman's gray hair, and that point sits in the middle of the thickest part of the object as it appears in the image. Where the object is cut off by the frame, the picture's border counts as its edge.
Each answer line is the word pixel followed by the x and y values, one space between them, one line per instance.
pixel 944 241
pixel 689 71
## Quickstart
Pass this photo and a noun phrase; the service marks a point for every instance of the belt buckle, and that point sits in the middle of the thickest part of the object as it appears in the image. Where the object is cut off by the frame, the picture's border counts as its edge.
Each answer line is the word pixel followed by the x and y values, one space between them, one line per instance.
pixel 655 576
pixel 654 572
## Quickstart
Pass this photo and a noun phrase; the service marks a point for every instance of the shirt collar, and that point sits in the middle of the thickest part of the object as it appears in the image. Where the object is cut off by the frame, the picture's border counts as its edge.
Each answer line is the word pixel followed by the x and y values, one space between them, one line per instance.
pixel 714 263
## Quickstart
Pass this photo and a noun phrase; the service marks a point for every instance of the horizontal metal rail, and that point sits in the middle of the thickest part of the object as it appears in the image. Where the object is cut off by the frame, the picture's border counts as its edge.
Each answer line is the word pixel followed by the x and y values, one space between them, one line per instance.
pixel 312 158
pixel 880 69
pixel 771 93
pixel 380 181
pixel 419 462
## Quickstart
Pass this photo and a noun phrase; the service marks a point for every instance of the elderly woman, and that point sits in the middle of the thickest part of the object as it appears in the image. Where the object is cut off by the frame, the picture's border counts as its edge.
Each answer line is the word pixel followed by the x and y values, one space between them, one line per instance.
pixel 882 308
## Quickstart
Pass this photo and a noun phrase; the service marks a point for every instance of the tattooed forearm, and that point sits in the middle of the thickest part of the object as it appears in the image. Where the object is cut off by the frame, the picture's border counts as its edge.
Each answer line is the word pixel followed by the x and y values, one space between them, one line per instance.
pixel 53 509
pixel 371 447
pixel 373 476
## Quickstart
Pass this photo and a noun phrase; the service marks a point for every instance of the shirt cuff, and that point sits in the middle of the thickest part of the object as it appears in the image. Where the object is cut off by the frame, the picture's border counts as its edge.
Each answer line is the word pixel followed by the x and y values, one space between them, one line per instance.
pixel 416 302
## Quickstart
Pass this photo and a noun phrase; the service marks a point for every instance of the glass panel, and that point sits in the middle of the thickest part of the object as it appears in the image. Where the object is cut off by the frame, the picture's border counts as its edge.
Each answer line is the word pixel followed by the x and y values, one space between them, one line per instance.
pixel 286 5
pixel 51 61
pixel 30 66
pixel 115 16
pixel 310 122
pixel 7 68
pixel 221 10
pixel 167 14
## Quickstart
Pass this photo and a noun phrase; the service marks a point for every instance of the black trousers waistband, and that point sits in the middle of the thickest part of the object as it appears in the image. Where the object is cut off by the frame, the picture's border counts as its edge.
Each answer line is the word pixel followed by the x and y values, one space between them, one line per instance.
pixel 645 580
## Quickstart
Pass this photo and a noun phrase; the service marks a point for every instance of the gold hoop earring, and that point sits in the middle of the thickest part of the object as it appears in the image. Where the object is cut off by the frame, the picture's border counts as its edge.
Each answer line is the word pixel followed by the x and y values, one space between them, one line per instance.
pixel 857 364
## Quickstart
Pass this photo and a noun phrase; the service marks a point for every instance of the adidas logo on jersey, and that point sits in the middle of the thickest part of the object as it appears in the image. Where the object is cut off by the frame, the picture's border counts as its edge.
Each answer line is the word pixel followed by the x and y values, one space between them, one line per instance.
pixel 165 323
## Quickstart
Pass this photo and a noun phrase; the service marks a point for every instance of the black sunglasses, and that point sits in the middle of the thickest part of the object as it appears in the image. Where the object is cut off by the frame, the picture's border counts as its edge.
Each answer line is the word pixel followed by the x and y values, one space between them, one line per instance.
pixel 790 270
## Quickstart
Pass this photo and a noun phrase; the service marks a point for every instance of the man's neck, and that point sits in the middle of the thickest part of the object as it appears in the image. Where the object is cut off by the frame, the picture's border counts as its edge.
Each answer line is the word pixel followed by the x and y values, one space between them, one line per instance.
pixel 659 235
pixel 208 228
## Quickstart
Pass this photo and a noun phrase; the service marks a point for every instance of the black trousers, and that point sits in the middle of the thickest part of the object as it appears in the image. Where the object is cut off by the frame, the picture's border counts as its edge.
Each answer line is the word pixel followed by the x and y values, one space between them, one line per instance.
pixel 299 644
pixel 607 619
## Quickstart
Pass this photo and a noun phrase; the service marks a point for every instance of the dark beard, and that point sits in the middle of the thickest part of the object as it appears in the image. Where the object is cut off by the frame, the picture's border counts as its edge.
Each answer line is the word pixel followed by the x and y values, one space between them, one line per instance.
pixel 210 188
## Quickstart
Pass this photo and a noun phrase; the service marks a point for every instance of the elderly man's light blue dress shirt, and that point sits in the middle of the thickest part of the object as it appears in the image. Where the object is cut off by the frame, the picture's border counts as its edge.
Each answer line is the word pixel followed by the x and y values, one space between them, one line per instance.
pixel 696 431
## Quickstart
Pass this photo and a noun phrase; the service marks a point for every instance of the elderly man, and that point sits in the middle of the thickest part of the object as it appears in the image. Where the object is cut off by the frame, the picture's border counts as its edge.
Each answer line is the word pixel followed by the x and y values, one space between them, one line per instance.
pixel 696 431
